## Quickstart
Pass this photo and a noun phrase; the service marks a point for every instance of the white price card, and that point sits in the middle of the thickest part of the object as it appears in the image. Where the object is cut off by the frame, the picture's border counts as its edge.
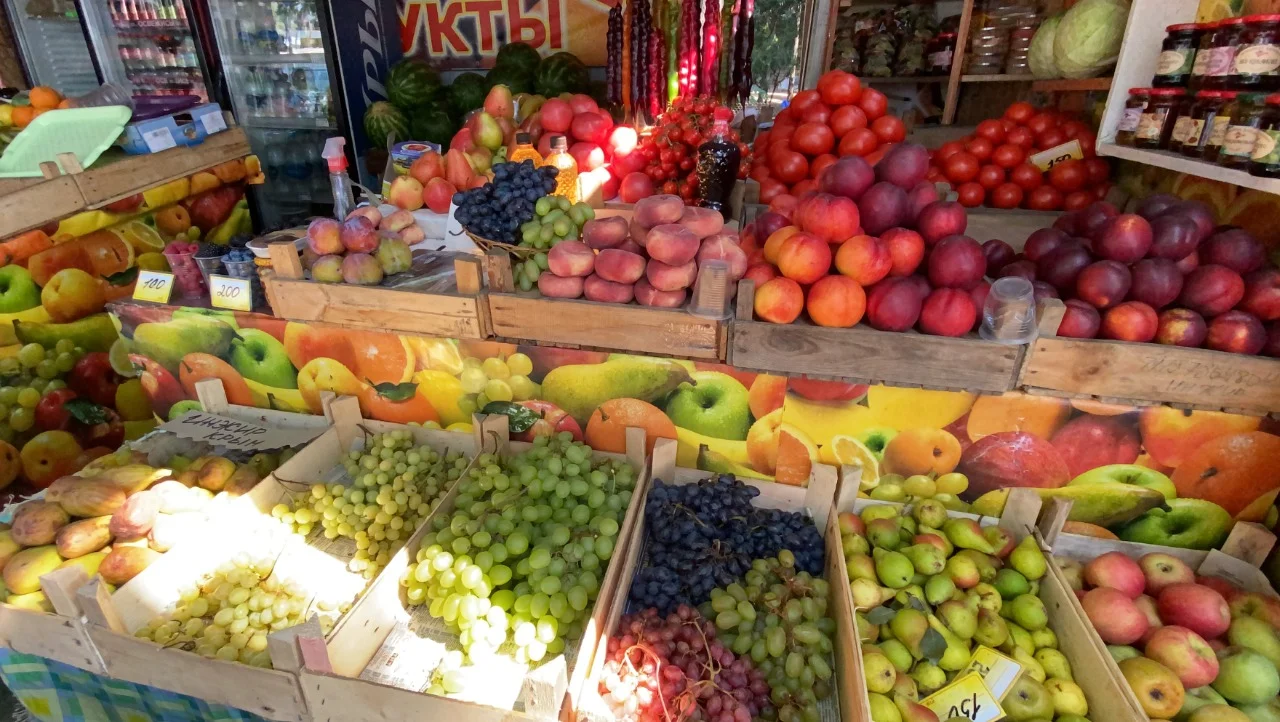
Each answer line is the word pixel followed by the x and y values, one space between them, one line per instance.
pixel 213 122
pixel 1046 159
pixel 998 672
pixel 158 140
pixel 233 294
pixel 153 286
pixel 966 697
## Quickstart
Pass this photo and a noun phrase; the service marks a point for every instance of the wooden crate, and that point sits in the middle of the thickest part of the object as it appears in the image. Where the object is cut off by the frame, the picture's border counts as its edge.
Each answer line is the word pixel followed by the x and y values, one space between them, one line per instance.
pixel 330 670
pixel 459 314
pixel 1147 373
pixel 818 499
pixel 867 355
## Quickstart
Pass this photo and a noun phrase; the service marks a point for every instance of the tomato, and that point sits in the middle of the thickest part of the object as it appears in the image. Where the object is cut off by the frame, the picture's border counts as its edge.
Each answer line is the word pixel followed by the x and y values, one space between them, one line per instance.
pixel 889 129
pixel 802 100
pixel 859 141
pixel 847 118
pixel 839 88
pixel 1006 195
pixel 686 164
pixel 1074 127
pixel 873 103
pixel 1008 156
pixel 1098 170
pixel 1069 175
pixel 1020 112
pixel 776 149
pixel 1042 121
pixel 1044 198
pixel 992 130
pixel 1077 200
pixel 947 150
pixel 935 175
pixel 1021 137
pixel 971 195
pixel 770 188
pixel 783 116
pixel 816 113
pixel 1088 145
pixel 790 167
pixel 961 168
pixel 759 172
pixel 1051 138
pixel 818 164
pixel 990 176
pixel 804 186
pixel 781 133
pixel 1027 176
pixel 813 139
pixel 1007 124
pixel 980 148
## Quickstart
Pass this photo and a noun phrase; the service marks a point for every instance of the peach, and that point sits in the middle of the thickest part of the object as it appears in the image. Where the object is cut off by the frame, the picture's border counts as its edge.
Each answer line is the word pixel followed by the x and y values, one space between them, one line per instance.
pixel 637 232
pixel 397 221
pixel 1041 242
pixel 1156 282
pixel 956 262
pixel 906 248
pixel 1237 332
pixel 779 300
pixel 948 312
pixel 619 266
pixel 553 286
pixel 1270 348
pixel 1117 571
pixel 829 217
pixel 647 295
pixel 702 222
pixel 413 234
pixel 1262 294
pixel 922 451
pixel 631 246
pixel 1081 320
pixel 1115 616
pixel 405 193
pixel 1104 283
pixel 1130 321
pixel 760 273
pixel 571 258
pixel 359 234
pixel 361 269
pixel 370 213
pixel 327 269
pixel 893 305
pixel 658 210
pixel 722 247
pixel 773 244
pixel 1171 436
pixel 1196 607
pixel 1211 290
pixel 1181 327
pixel 865 259
pixel 836 301
pixel 1234 248
pixel 608 232
pixel 804 258
pixel 324 237
pixel 672 244
pixel 941 219
pixel 666 277
pixel 596 288
pixel 763 440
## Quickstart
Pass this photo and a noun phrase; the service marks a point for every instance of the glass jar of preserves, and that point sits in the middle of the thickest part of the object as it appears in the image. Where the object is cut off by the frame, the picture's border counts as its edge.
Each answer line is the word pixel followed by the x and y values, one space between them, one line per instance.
pixel 1237 147
pixel 1183 125
pixel 941 52
pixel 1156 124
pixel 1257 61
pixel 1221 123
pixel 1222 54
pixel 1177 56
pixel 1265 162
pixel 1204 54
pixel 1207 107
pixel 1129 120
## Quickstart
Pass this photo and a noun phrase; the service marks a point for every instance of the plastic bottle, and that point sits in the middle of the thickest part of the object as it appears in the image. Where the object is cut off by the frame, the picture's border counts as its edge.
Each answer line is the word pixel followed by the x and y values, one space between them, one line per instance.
pixel 567 178
pixel 525 151
pixel 339 181
pixel 718 162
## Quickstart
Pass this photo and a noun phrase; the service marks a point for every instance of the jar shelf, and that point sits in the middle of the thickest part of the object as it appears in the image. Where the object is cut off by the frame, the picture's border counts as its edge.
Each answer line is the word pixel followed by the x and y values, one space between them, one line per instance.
pixel 1190 166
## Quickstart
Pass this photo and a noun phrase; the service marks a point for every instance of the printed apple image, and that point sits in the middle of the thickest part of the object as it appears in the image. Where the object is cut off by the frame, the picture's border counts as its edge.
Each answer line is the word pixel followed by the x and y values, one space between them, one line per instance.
pixel 18 292
pixel 1187 524
pixel 182 408
pixel 258 356
pixel 554 420
pixel 715 404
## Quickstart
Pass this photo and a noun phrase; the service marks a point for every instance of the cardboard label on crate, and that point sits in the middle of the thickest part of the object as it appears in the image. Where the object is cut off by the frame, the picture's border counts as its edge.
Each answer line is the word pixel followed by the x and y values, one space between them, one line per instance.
pixel 153 286
pixel 213 123
pixel 966 697
pixel 236 434
pixel 404 660
pixel 158 140
pixel 233 294
pixel 998 672
pixel 1046 159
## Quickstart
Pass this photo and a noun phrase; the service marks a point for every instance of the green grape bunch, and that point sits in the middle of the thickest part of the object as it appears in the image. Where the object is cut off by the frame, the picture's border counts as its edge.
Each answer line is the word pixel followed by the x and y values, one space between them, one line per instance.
pixel 27 376
pixel 521 557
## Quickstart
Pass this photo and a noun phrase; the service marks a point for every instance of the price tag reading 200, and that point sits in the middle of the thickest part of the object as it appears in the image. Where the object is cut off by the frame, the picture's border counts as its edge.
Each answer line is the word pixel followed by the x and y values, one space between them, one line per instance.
pixel 233 294
pixel 153 286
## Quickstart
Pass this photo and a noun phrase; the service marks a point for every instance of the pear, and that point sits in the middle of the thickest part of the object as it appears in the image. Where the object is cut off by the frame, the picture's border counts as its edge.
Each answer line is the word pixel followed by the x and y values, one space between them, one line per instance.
pixel 908 526
pixel 1256 635
pixel 960 619
pixel 1055 663
pixel 913 711
pixel 987 565
pixel 963 572
pixel 1028 559
pixel 909 627
pixel 883 709
pixel 957 655
pixel 1045 638
pixel 1073 571
pixel 926 558
pixel 867 593
pixel 929 678
pixel 1019 638
pixel 966 534
pixel 939 589
pixel 909 592
pixel 1029 664
pixel 867 631
pixel 991 631
pixel 1121 652
pixel 905 686
pixel 894 569
pixel 884 534
pixel 1011 583
pixel 1001 540
pixel 986 597
pixel 897 654
pixel 1029 613
pixel 580 389
pixel 487 132
pixel 930 513
pixel 854 544
pixel 878 671
pixel 879 511
pixel 860 566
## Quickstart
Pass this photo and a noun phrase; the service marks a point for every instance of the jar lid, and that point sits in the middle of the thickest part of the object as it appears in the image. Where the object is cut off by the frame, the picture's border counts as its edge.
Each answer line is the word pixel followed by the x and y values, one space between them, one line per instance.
pixel 1168 91
pixel 1209 94
pixel 1271 18
pixel 1273 99
pixel 1183 27
pixel 1139 91
pixel 946 35
pixel 1228 94
pixel 1232 21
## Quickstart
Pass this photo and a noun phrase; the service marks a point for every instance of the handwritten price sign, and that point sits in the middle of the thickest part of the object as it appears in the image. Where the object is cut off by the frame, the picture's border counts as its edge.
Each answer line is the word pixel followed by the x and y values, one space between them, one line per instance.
pixel 966 697
pixel 998 672
pixel 153 286
pixel 233 294
pixel 1046 159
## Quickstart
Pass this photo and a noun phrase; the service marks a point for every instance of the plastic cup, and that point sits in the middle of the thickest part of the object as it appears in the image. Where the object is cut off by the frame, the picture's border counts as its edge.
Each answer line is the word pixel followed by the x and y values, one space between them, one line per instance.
pixel 712 292
pixel 209 266
pixel 1009 315
pixel 187 277
pixel 247 269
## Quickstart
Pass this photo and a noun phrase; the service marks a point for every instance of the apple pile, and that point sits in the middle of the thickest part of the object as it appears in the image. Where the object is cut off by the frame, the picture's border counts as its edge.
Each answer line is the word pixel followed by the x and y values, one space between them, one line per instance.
pixel 363 249
pixel 666 160
pixel 433 180
pixel 653 259
pixel 838 119
pixel 1153 275
pixel 992 165
pixel 1191 648
pixel 929 589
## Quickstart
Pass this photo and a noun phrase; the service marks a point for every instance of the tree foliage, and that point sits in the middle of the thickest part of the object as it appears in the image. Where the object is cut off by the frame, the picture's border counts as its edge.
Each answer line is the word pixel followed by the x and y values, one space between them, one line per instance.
pixel 773 59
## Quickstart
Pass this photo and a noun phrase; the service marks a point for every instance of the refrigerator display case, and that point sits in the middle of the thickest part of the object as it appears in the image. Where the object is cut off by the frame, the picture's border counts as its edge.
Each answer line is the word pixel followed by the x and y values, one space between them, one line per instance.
pixel 52 45
pixel 147 46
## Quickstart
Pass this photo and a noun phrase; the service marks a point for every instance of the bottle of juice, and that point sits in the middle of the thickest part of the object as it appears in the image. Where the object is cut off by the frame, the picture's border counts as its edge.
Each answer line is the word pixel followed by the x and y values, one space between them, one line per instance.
pixel 718 161
pixel 525 151
pixel 567 178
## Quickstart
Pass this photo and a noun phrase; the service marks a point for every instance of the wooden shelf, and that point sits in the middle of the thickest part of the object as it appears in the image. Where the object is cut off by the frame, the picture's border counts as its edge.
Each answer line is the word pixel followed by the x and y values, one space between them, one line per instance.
pixel 998 78
pixel 1190 166
pixel 1067 85
pixel 27 203
pixel 903 79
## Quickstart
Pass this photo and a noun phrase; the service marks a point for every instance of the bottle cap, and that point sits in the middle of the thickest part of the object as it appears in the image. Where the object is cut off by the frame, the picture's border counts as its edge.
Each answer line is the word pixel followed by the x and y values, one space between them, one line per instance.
pixel 523 139
pixel 334 154
pixel 559 144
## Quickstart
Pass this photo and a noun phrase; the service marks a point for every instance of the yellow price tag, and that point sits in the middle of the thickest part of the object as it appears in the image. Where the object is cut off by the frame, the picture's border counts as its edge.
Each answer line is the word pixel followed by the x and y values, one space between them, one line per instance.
pixel 998 672
pixel 966 697
pixel 1046 159
pixel 153 286
pixel 233 294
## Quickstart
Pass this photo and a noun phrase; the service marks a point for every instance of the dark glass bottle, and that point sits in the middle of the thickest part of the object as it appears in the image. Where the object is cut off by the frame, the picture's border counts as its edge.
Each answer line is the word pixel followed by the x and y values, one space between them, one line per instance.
pixel 718 162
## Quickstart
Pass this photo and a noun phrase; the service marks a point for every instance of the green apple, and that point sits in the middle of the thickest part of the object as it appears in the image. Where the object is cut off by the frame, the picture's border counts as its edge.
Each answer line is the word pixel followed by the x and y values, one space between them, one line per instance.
pixel 1121 652
pixel 1268 712
pixel 1187 524
pixel 1246 677
pixel 1132 474
pixel 715 404
pixel 181 408
pixel 258 356
pixel 18 292
pixel 876 439
pixel 1027 699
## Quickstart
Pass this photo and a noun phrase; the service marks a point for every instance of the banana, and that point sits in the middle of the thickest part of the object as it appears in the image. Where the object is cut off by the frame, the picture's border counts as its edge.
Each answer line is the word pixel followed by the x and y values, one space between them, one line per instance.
pixel 7 335
pixel 1105 505
pixel 270 397
pixel 688 442
pixel 709 460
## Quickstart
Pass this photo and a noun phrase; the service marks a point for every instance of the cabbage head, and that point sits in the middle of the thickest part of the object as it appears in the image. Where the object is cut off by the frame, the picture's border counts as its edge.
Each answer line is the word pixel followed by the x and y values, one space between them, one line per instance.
pixel 1088 38
pixel 1040 56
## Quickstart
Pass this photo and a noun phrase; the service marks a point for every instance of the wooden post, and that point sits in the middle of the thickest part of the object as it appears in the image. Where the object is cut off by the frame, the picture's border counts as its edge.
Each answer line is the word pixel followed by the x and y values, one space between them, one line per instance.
pixel 664 460
pixel 283 645
pixel 744 309
pixel 1052 518
pixel 60 587
pixel 1021 511
pixel 957 64
pixel 345 412
pixel 466 271
pixel 1249 542
pixel 497 263
pixel 212 396
pixel 95 602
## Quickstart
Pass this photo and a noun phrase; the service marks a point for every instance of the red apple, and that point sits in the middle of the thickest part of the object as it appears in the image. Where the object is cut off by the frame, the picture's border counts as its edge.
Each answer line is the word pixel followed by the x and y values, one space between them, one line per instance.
pixel 1185 653
pixel 1114 615
pixel 1196 607
pixel 1115 570
pixel 1162 570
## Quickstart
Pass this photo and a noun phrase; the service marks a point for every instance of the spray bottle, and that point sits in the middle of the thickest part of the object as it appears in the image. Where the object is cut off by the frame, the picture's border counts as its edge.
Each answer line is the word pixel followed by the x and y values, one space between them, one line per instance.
pixel 343 197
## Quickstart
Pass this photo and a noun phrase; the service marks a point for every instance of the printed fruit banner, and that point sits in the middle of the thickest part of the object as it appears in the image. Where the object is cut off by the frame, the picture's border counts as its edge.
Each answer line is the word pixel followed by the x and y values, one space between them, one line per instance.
pixel 1156 475
pixel 62 400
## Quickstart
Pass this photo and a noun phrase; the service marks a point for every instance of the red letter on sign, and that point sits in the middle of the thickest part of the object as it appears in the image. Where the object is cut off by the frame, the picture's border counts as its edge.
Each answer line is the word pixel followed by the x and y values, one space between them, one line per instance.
pixel 485 11
pixel 441 30
pixel 409 27
pixel 518 24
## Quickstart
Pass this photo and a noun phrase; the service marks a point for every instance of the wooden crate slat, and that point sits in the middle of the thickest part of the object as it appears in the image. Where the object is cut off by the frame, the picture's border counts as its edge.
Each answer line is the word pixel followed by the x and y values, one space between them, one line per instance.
pixel 26 205
pixel 429 314
pixel 123 178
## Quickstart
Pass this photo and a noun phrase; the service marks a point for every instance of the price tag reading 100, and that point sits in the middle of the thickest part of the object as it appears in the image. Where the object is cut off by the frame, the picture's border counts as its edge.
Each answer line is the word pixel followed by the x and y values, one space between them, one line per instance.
pixel 153 286
pixel 233 294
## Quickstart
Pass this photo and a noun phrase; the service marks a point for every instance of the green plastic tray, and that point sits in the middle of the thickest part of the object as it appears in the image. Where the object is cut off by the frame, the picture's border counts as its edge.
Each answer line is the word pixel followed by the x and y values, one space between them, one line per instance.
pixel 85 132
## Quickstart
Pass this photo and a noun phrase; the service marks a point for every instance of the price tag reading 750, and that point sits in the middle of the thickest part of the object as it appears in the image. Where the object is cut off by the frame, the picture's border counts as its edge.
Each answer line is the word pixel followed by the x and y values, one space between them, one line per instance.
pixel 967 697
pixel 1046 159
pixel 153 286
pixel 233 294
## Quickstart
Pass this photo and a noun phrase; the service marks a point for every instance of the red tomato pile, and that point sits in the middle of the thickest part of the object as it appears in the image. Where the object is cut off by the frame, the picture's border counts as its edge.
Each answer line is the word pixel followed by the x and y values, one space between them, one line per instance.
pixel 839 118
pixel 991 166
pixel 666 160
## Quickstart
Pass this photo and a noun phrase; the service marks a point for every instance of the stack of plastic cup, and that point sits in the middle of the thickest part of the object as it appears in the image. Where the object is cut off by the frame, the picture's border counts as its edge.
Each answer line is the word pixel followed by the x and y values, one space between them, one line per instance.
pixel 1009 315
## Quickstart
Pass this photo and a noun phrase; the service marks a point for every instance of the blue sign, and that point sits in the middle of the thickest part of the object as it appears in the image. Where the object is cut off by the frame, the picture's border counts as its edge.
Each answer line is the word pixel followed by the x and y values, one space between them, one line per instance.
pixel 367 36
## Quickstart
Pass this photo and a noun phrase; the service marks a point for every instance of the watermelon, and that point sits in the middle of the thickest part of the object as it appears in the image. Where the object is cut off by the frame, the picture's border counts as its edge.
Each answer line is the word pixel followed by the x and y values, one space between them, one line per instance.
pixel 411 83
pixel 434 125
pixel 382 118
pixel 518 55
pixel 467 93
pixel 517 80
pixel 561 73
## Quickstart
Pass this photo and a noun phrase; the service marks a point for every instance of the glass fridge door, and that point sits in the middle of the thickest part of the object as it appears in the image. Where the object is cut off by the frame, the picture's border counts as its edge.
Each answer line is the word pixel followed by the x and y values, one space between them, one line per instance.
pixel 53 45
pixel 147 46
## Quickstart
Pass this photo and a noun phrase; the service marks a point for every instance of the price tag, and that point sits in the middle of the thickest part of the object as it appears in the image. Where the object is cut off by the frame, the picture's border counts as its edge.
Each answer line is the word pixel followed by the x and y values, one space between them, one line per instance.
pixel 1046 159
pixel 213 122
pixel 158 140
pixel 153 286
pixel 998 672
pixel 966 697
pixel 233 294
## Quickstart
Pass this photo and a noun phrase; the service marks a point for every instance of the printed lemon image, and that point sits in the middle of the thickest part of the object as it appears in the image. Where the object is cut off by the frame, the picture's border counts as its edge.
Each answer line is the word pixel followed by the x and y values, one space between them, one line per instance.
pixel 1213 10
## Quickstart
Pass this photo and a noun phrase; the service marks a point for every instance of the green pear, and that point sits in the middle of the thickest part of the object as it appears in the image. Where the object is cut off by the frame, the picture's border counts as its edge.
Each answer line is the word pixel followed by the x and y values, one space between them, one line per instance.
pixel 1245 676
pixel 852 544
pixel 867 631
pixel 991 631
pixel 909 527
pixel 878 671
pixel 879 511
pixel 960 619
pixel 1268 712
pixel 987 597
pixel 909 592
pixel 487 131
pixel 1028 559
pixel 860 566
pixel 930 513
pixel 1020 638
pixel 1257 635
pixel 167 343
pixel 1029 664
pixel 898 655
pixel 1029 613
pixel 884 534
pixel 1201 697
pixel 894 569
pixel 963 572
pixel 1045 638
pixel 957 655
pixel 929 678
pixel 927 558
pixel 987 566
pixel 966 534
pixel 883 709
pixel 909 626
pixel 1011 583
pixel 867 593
pixel 1055 663
pixel 939 589
pixel 905 686
pixel 1121 652
pixel 580 389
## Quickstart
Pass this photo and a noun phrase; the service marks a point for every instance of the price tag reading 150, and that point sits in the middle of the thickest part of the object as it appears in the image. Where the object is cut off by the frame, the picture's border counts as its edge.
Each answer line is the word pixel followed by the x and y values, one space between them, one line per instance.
pixel 966 697
pixel 233 294
pixel 153 286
